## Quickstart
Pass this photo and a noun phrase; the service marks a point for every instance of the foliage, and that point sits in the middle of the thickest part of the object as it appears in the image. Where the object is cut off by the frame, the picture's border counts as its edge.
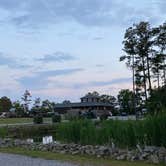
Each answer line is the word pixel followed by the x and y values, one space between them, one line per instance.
pixel 26 98
pixel 19 109
pixel 38 119
pixel 122 133
pixel 157 100
pixel 5 104
pixel 145 54
pixel 22 132
pixel 125 99
pixel 56 118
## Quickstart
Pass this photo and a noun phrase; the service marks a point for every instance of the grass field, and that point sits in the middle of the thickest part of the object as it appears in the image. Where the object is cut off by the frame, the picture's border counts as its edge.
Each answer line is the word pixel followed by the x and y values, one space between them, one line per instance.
pixel 81 160
pixel 20 120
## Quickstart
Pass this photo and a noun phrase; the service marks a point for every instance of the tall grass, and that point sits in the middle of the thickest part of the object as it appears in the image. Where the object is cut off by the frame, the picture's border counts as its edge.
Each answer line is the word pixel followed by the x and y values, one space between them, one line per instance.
pixel 151 131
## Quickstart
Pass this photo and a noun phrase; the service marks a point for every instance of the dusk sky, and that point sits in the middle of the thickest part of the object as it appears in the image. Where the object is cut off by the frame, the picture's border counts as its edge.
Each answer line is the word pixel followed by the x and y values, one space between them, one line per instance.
pixel 62 49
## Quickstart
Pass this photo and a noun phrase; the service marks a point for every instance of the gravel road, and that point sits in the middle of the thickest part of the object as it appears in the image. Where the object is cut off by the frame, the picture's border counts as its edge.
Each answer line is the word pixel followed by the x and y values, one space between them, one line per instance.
pixel 19 160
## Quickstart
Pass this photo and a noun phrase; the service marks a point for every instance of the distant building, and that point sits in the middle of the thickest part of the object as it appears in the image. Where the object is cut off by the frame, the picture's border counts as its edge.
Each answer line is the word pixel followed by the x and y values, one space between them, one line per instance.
pixel 88 102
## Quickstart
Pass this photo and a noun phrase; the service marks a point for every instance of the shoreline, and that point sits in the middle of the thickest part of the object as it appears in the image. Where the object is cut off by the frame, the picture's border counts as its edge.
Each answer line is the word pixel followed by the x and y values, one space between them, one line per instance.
pixel 73 159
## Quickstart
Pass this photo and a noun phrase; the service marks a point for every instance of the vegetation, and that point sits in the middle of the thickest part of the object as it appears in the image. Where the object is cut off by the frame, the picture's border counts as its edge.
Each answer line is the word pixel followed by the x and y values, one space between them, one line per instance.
pixel 38 119
pixel 75 159
pixel 122 133
pixel 24 132
pixel 145 54
pixel 157 100
pixel 56 118
pixel 5 104
pixel 125 99
pixel 13 121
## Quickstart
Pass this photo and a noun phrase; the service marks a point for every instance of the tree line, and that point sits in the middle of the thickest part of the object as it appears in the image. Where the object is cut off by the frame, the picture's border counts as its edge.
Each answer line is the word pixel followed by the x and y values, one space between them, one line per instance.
pixel 145 56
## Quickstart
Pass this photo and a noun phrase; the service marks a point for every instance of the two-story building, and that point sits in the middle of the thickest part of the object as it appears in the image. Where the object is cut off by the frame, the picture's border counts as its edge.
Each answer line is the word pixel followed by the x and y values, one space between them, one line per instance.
pixel 88 102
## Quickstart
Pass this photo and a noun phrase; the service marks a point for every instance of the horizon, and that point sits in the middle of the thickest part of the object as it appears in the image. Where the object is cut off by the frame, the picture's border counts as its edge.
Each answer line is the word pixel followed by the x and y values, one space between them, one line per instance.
pixel 61 51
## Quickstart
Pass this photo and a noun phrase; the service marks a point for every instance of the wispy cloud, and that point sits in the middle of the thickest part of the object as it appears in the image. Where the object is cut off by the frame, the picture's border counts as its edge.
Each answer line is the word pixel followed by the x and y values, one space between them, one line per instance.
pixel 99 65
pixel 11 62
pixel 41 79
pixel 102 83
pixel 86 12
pixel 57 57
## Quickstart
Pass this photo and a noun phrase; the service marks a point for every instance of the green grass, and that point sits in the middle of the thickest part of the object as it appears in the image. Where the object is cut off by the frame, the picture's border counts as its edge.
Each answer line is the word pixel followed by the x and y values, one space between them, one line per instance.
pixel 20 120
pixel 81 160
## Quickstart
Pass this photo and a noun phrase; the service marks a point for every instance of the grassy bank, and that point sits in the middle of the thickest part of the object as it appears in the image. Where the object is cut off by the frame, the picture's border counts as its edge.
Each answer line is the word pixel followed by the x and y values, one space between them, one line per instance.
pixel 81 160
pixel 150 131
pixel 20 120
pixel 23 132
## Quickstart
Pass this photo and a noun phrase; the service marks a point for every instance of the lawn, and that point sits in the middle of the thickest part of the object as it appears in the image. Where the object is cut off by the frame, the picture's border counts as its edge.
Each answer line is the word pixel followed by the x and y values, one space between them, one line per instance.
pixel 19 120
pixel 77 159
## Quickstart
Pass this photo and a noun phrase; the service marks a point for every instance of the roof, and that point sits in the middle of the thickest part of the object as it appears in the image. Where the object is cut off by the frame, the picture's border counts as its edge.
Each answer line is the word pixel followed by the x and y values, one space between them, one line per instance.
pixel 87 104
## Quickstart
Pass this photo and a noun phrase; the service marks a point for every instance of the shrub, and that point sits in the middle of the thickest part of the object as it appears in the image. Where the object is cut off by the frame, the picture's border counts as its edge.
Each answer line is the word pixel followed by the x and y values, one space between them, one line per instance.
pixel 56 118
pixel 38 119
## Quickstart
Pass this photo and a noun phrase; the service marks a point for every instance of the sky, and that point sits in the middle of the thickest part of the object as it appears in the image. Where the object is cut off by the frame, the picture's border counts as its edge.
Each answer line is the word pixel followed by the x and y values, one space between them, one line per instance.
pixel 62 49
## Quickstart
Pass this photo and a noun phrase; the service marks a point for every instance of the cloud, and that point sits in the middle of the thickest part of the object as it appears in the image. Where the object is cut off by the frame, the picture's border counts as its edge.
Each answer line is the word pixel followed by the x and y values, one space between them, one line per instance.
pixel 57 57
pixel 41 79
pixel 99 65
pixel 36 13
pixel 102 83
pixel 11 62
pixel 98 38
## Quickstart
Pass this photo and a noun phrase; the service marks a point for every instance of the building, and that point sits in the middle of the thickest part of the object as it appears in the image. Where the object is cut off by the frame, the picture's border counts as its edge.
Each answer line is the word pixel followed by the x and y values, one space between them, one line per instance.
pixel 89 102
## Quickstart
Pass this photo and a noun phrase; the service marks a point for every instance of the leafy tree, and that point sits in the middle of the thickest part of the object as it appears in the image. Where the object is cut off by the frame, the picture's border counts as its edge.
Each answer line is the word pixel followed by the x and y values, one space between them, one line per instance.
pixel 94 93
pixel 66 102
pixel 160 43
pixel 107 99
pixel 19 109
pixel 145 55
pixel 157 101
pixel 125 99
pixel 36 106
pixel 26 98
pixel 47 106
pixel 5 104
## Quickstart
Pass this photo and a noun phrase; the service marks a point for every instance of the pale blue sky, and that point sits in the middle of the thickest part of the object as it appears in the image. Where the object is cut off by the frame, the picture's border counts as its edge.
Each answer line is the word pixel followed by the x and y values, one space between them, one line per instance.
pixel 61 49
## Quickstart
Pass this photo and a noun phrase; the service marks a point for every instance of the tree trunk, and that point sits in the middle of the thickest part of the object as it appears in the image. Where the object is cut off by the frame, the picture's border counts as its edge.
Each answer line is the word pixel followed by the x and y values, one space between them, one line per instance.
pixel 134 99
pixel 144 79
pixel 149 75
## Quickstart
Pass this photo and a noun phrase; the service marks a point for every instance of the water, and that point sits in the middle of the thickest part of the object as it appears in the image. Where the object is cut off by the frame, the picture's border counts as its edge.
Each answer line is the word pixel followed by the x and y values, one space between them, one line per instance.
pixel 19 160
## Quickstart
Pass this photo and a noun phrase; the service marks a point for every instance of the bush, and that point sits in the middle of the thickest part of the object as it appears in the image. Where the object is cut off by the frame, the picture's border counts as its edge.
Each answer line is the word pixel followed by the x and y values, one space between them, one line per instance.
pixel 103 117
pixel 56 118
pixel 38 119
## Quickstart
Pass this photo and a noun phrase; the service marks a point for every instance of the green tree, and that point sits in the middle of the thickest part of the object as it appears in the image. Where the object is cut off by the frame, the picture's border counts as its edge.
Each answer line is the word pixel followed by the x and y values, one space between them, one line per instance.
pixel 5 104
pixel 107 99
pixel 157 101
pixel 36 106
pixel 125 99
pixel 26 98
pixel 139 45
pixel 19 109
pixel 160 43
